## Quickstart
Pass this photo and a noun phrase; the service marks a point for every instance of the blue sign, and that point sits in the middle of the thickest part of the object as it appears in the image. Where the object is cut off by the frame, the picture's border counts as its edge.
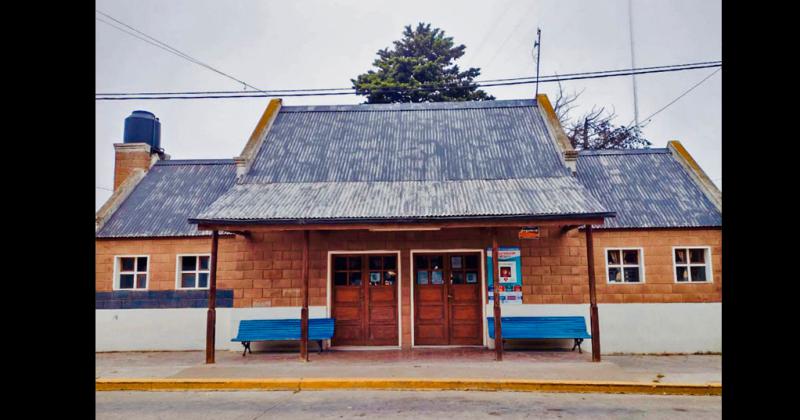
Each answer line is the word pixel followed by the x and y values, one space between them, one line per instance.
pixel 510 267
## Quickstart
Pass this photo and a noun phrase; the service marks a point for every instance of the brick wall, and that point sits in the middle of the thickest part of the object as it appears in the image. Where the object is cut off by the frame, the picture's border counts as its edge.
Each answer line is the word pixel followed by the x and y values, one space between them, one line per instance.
pixel 659 285
pixel 265 270
pixel 162 252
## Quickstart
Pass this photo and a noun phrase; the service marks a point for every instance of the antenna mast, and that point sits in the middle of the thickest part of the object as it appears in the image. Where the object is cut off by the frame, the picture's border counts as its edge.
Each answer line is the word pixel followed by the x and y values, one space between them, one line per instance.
pixel 538 46
pixel 633 64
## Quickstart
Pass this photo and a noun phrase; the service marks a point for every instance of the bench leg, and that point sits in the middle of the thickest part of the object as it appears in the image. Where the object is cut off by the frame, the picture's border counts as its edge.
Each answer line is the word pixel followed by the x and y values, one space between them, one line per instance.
pixel 320 346
pixel 246 345
pixel 578 342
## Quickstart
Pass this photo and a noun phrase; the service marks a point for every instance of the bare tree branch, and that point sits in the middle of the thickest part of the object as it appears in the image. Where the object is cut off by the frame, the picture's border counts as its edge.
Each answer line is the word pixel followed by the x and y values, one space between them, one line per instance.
pixel 594 129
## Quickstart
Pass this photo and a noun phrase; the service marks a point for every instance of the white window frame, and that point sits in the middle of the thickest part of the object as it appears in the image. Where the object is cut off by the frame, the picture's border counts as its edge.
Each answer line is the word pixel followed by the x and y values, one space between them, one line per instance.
pixel 622 265
pixel 118 273
pixel 688 265
pixel 179 271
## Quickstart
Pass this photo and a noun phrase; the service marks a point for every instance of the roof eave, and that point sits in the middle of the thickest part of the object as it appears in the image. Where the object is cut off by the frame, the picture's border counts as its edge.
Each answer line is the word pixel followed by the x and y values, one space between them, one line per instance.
pixel 574 218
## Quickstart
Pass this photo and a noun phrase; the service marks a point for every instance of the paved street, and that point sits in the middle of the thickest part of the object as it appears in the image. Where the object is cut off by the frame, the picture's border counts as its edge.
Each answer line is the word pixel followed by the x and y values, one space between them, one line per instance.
pixel 395 405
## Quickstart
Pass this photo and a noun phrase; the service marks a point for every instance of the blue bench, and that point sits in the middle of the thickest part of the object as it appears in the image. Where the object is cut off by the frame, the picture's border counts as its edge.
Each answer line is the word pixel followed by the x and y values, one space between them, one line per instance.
pixel 542 327
pixel 282 329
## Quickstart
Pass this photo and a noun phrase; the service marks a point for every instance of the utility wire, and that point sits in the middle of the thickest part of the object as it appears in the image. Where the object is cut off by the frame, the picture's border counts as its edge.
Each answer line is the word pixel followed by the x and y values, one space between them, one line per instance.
pixel 494 25
pixel 513 31
pixel 688 66
pixel 153 41
pixel 104 188
pixel 548 79
pixel 647 119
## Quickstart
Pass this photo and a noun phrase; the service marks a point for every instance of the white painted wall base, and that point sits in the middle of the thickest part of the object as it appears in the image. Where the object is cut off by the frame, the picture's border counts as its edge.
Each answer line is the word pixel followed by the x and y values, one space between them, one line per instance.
pixel 640 327
pixel 624 328
pixel 179 328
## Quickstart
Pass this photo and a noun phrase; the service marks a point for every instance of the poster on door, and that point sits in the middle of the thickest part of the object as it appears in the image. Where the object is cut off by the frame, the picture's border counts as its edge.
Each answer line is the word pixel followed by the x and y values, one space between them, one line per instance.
pixel 510 267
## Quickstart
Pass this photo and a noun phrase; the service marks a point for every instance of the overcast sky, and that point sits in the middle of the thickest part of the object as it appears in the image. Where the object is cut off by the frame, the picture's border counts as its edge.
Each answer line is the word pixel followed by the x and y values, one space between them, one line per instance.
pixel 323 44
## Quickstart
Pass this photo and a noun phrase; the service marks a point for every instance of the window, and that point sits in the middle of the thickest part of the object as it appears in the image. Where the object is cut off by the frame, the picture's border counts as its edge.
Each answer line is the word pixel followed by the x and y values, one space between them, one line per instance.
pixel 625 265
pixel 692 264
pixel 131 273
pixel 464 269
pixel 430 269
pixel 365 270
pixel 347 270
pixel 382 270
pixel 193 271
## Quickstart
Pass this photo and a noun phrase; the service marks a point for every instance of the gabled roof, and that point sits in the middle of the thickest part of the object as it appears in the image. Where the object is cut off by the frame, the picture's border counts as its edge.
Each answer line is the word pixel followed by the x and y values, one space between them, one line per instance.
pixel 406 161
pixel 407 142
pixel 647 188
pixel 170 192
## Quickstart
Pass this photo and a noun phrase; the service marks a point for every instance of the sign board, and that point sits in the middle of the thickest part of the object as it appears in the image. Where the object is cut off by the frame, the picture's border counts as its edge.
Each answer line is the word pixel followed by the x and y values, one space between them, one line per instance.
pixel 510 266
pixel 529 233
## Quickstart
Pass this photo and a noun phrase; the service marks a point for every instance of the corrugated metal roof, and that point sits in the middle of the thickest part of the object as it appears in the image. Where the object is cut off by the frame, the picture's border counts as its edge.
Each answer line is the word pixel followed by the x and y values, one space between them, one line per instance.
pixel 170 192
pixel 403 200
pixel 407 142
pixel 647 188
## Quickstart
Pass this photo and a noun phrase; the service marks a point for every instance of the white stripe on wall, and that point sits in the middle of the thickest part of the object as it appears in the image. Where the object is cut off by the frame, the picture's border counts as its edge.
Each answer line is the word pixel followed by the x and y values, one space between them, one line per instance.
pixel 624 328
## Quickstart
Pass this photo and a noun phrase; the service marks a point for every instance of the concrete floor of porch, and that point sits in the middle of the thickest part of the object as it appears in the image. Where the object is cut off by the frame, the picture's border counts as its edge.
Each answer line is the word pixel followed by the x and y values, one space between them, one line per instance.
pixel 416 363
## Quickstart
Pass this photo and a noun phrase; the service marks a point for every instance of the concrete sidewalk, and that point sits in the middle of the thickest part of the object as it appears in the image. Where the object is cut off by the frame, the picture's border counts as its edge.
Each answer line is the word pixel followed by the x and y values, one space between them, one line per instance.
pixel 462 363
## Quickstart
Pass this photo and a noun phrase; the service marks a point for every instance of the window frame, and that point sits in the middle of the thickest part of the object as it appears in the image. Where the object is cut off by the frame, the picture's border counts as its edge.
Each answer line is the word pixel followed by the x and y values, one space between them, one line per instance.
pixel 179 271
pixel 688 265
pixel 622 265
pixel 118 273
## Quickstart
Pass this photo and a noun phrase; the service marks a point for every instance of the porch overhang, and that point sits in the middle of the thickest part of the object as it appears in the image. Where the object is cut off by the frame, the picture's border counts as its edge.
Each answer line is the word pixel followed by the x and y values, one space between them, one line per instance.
pixel 386 224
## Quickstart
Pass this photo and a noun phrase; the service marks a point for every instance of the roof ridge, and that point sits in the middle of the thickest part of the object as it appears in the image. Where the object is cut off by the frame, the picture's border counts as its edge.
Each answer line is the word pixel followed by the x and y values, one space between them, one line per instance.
pixel 420 106
pixel 607 152
pixel 400 181
pixel 179 162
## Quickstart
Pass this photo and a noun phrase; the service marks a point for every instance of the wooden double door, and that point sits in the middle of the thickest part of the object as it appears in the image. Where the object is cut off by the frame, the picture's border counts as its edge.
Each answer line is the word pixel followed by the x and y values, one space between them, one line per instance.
pixel 365 300
pixel 447 299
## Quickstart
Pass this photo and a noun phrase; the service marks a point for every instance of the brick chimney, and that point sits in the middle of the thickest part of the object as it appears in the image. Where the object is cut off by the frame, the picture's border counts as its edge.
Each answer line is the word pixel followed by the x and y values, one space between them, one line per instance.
pixel 130 156
pixel 141 146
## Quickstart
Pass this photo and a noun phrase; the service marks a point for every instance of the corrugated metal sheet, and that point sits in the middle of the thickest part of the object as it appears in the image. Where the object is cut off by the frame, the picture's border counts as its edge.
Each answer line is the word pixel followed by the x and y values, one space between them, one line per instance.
pixel 646 188
pixel 404 199
pixel 407 142
pixel 172 190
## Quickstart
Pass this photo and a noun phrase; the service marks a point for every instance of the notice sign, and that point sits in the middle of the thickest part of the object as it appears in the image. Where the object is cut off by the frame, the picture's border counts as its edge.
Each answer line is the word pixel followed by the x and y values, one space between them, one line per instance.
pixel 529 233
pixel 510 267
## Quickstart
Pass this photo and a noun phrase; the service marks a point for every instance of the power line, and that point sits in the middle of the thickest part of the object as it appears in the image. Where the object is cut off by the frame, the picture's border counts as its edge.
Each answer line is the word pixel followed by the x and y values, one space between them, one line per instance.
pixel 688 66
pixel 647 119
pixel 164 46
pixel 485 37
pixel 104 188
pixel 322 92
pixel 513 31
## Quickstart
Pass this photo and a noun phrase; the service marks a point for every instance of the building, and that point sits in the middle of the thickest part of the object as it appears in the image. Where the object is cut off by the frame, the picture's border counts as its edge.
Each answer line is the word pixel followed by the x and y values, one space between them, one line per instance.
pixel 397 205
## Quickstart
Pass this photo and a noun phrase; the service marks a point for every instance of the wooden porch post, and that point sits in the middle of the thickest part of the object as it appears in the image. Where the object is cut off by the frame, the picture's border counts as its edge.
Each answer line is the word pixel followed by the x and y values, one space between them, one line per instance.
pixel 304 310
pixel 498 332
pixel 211 319
pixel 595 321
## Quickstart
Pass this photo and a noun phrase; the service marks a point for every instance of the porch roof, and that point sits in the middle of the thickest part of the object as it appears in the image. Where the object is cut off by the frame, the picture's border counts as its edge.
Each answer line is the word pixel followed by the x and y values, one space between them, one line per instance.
pixel 406 200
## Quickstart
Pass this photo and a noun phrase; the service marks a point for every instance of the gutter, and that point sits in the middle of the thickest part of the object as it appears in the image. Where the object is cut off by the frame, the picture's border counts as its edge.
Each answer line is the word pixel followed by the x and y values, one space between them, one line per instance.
pixel 403 220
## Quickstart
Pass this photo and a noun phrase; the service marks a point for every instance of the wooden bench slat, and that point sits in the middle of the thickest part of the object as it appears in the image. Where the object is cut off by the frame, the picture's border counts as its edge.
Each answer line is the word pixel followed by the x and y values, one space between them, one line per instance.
pixel 541 327
pixel 283 329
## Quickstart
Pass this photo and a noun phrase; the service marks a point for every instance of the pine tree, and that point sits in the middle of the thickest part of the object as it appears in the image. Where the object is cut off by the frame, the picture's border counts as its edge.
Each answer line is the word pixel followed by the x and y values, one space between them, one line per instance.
pixel 420 68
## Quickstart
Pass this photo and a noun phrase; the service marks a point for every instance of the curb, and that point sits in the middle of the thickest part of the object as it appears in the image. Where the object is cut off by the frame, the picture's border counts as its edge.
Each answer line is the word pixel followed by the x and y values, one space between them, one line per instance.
pixel 406 384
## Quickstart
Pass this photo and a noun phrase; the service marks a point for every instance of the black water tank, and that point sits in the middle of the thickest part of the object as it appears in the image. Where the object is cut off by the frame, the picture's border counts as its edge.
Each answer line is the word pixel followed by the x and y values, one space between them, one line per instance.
pixel 143 127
